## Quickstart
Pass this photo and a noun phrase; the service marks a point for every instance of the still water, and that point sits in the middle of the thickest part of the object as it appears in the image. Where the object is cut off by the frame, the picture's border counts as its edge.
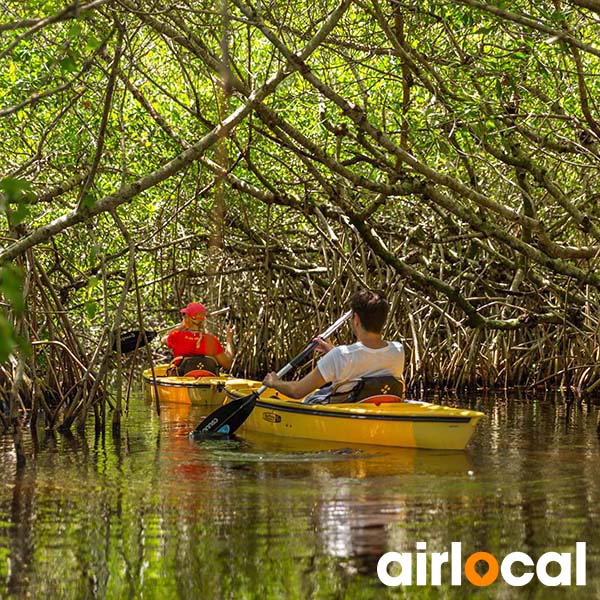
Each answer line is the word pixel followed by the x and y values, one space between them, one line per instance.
pixel 153 515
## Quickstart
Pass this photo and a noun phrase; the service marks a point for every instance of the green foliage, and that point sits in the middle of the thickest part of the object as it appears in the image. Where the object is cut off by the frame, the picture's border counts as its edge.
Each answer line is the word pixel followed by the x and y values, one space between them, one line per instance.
pixel 8 341
pixel 16 192
pixel 91 308
pixel 490 108
pixel 68 64
pixel 14 188
pixel 11 287
pixel 89 200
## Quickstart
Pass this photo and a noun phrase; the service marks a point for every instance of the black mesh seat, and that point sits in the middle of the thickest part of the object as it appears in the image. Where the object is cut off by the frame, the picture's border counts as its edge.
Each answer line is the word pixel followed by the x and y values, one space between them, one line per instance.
pixel 194 363
pixel 363 389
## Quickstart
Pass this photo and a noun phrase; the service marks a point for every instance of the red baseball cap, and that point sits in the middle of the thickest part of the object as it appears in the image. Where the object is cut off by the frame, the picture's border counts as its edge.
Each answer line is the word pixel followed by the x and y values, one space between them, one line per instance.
pixel 193 309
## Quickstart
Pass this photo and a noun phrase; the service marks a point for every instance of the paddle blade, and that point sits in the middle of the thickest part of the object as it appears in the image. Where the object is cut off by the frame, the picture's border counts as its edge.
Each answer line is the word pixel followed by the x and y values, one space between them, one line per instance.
pixel 134 339
pixel 226 419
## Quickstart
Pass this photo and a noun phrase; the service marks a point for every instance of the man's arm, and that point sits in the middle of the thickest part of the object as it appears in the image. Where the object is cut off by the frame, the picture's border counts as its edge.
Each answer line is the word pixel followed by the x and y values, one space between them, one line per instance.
pixel 296 389
pixel 224 359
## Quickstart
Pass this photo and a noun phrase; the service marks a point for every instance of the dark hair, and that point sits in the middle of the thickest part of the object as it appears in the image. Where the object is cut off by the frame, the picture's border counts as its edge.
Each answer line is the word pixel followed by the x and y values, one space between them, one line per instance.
pixel 372 309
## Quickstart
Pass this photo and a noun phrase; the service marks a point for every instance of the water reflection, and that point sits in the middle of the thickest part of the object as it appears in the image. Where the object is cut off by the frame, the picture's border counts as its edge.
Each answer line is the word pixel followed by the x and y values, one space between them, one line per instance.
pixel 153 514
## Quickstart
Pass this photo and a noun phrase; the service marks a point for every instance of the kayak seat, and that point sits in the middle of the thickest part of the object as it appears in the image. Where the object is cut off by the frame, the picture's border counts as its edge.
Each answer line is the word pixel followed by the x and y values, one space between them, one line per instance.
pixel 199 373
pixel 182 365
pixel 378 388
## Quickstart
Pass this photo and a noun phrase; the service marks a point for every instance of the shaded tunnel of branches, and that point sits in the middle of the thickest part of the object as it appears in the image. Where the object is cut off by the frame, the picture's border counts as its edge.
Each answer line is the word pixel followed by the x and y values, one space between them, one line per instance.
pixel 273 157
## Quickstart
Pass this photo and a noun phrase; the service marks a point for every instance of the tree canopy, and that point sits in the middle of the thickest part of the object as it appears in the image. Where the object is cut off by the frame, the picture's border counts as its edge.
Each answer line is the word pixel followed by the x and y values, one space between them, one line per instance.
pixel 275 155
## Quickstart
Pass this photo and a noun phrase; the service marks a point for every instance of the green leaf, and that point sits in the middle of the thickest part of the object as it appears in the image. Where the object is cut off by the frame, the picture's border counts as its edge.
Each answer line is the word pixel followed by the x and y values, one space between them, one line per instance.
pixel 68 64
pixel 95 252
pixel 75 30
pixel 88 200
pixel 91 308
pixel 20 213
pixel 93 43
pixel 93 282
pixel 14 188
pixel 499 88
pixel 7 338
pixel 11 286
pixel 559 17
pixel 16 191
pixel 24 346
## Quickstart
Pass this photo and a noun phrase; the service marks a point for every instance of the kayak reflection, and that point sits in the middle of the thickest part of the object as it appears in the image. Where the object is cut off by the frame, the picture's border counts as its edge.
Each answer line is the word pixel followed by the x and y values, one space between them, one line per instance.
pixel 296 457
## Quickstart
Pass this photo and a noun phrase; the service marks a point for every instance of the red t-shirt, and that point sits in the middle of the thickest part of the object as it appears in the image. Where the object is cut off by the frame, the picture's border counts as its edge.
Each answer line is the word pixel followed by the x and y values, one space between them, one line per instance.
pixel 184 343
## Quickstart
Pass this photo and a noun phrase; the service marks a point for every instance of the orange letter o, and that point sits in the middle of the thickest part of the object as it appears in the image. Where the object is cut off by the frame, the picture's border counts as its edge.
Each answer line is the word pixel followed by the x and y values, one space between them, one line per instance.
pixel 474 577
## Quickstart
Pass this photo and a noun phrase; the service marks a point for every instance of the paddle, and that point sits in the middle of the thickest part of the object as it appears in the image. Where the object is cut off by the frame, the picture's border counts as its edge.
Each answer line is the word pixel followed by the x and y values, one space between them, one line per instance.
pixel 130 340
pixel 227 418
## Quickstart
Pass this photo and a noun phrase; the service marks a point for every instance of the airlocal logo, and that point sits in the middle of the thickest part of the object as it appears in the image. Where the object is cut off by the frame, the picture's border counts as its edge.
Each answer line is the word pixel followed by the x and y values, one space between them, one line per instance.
pixel 494 568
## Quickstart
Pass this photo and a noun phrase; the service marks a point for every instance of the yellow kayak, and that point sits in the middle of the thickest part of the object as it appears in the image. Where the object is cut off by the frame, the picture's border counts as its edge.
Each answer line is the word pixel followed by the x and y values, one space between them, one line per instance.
pixel 184 390
pixel 402 424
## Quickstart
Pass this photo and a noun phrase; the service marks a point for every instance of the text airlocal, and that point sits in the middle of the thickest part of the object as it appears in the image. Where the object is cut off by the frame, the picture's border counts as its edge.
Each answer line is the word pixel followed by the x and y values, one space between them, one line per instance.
pixel 429 572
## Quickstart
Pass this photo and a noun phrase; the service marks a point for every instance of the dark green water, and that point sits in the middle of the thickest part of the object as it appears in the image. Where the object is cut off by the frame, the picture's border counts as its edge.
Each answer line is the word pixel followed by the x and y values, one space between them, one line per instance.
pixel 156 516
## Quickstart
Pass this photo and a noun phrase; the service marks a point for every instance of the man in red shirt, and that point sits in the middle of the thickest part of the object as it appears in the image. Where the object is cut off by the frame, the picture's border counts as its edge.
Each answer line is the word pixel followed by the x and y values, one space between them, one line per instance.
pixel 190 339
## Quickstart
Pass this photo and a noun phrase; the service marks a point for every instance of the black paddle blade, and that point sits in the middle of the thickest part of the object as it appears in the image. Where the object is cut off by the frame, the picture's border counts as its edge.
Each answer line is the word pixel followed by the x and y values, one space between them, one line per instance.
pixel 134 339
pixel 226 419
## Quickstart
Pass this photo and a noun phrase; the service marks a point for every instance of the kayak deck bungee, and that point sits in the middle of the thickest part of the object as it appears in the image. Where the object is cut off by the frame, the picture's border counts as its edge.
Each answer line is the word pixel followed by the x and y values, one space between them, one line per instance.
pixel 184 390
pixel 401 424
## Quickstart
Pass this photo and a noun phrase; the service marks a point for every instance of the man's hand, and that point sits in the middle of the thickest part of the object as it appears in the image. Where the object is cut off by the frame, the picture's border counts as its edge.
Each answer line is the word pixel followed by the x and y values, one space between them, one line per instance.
pixel 271 380
pixel 322 345
pixel 295 389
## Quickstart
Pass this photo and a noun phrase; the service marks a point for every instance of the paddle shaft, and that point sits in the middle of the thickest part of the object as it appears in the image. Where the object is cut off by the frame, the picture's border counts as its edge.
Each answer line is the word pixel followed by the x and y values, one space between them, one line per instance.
pixel 224 417
pixel 297 360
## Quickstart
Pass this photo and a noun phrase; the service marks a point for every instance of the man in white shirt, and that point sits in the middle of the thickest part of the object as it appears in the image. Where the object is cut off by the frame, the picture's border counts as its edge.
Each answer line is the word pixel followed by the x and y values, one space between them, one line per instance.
pixel 370 356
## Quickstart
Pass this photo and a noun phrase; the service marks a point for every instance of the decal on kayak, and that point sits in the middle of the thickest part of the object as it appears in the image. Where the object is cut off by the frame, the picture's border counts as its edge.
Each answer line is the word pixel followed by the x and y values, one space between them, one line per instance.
pixel 271 417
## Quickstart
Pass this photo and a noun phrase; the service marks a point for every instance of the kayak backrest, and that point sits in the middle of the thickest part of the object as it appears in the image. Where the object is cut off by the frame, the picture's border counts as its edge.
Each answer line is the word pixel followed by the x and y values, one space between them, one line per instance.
pixel 384 399
pixel 385 388
pixel 380 386
pixel 199 373
pixel 183 365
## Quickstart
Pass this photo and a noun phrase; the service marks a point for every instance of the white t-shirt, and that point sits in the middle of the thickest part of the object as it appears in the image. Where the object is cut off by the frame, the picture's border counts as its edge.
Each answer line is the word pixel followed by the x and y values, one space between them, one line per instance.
pixel 344 363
